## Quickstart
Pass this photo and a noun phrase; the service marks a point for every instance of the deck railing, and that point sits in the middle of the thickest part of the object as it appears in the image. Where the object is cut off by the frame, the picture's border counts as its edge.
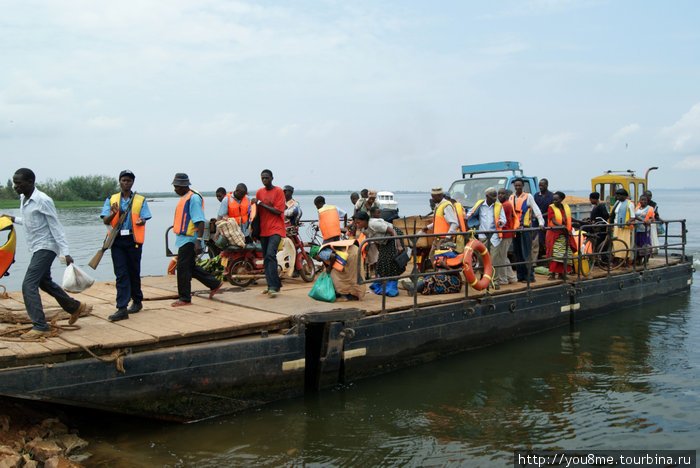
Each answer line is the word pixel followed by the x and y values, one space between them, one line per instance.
pixel 674 242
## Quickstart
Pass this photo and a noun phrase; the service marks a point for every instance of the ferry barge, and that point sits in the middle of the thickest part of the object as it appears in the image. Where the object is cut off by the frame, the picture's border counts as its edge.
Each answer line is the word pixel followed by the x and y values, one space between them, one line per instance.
pixel 240 349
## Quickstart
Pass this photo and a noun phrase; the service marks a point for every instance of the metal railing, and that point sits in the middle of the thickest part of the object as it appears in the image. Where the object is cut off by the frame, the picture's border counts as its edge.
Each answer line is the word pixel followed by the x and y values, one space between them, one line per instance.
pixel 673 243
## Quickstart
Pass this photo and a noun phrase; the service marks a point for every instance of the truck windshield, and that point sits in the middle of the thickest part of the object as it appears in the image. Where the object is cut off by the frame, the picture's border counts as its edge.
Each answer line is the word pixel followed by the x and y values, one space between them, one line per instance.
pixel 469 191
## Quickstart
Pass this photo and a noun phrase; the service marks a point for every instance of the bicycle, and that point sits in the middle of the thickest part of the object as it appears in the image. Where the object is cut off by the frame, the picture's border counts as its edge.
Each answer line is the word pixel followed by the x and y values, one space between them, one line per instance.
pixel 611 252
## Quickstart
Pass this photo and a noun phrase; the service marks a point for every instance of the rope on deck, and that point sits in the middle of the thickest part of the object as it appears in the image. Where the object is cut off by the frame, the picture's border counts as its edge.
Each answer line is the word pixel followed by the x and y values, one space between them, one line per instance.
pixel 13 335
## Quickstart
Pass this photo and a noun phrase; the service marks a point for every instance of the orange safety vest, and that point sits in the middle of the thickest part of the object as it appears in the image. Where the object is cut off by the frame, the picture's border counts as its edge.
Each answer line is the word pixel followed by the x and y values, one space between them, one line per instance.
pixel 521 211
pixel 329 222
pixel 558 217
pixel 139 231
pixel 440 224
pixel 239 211
pixel 459 209
pixel 650 214
pixel 496 214
pixel 182 224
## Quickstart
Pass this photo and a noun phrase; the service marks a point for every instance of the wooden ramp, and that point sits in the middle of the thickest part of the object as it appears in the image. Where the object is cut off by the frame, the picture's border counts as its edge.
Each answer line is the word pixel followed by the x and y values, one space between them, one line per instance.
pixel 233 312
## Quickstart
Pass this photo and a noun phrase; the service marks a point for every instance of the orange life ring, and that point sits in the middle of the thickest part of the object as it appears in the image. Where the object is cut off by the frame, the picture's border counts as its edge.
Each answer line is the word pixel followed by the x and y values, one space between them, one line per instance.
pixel 172 266
pixel 471 247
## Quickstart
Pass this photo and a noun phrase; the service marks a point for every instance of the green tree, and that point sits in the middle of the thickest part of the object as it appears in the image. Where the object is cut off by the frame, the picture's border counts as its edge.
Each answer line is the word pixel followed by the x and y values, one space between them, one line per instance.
pixel 89 188
pixel 8 192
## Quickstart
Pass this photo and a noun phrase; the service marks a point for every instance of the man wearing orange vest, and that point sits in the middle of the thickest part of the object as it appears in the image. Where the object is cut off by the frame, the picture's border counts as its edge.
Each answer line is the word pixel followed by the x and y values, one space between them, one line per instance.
pixel 525 207
pixel 292 210
pixel 237 205
pixel 188 226
pixel 127 247
pixel 445 220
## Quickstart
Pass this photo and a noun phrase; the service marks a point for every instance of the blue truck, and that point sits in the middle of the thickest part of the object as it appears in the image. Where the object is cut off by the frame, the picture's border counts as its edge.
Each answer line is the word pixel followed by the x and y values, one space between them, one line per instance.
pixel 469 190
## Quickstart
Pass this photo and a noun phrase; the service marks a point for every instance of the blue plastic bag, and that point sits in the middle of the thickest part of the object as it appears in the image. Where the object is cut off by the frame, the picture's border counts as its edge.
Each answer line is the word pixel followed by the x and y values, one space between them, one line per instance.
pixel 323 289
pixel 392 288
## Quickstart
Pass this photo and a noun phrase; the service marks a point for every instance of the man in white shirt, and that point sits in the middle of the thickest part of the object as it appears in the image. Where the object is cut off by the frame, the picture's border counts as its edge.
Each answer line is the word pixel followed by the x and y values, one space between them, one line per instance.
pixel 45 239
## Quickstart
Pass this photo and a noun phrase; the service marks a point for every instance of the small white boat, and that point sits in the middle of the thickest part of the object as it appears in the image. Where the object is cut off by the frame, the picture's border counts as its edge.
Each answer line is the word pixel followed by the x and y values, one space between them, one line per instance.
pixel 386 201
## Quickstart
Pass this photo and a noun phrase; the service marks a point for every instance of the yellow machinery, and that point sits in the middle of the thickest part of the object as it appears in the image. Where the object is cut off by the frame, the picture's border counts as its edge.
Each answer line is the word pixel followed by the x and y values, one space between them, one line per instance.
pixel 611 181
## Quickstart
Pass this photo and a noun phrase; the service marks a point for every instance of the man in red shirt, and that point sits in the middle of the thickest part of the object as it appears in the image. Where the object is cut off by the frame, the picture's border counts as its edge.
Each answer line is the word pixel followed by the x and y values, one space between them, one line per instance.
pixel 271 203
pixel 505 274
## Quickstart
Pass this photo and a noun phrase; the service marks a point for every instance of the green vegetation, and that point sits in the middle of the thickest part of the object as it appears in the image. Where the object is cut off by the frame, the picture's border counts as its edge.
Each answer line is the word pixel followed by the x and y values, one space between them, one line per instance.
pixel 76 191
pixel 80 188
pixel 8 192
pixel 14 204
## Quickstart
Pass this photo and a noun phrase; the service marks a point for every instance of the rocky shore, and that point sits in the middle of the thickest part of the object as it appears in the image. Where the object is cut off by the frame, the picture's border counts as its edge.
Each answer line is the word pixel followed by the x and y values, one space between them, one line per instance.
pixel 29 439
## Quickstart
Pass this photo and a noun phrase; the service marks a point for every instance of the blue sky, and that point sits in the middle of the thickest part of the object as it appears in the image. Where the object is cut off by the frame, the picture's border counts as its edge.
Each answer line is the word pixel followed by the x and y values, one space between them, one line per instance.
pixel 391 95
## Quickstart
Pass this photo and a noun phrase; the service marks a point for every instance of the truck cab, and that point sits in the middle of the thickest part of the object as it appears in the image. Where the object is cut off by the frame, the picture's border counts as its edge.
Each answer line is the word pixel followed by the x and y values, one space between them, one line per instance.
pixel 469 190
pixel 610 181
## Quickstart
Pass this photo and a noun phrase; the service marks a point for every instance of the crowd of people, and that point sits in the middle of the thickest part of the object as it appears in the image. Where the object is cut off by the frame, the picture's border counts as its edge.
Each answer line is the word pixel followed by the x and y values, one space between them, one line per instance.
pixel 501 218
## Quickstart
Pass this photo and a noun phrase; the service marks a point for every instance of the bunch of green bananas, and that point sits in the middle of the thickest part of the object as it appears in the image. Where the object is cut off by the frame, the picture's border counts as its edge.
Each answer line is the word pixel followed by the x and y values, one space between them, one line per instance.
pixel 213 266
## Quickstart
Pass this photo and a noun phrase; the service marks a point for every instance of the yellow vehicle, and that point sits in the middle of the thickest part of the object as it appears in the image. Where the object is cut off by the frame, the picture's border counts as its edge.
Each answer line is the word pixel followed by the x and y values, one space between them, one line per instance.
pixel 611 181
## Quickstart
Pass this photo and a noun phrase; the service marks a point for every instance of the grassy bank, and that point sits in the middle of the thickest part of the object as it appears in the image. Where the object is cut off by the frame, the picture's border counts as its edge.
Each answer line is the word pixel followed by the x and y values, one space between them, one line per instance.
pixel 7 204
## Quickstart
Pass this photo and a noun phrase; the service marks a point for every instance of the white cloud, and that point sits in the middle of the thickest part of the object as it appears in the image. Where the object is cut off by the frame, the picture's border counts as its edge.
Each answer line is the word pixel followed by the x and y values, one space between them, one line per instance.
pixel 689 162
pixel 553 144
pixel 684 135
pixel 220 125
pixel 106 123
pixel 618 140
pixel 288 129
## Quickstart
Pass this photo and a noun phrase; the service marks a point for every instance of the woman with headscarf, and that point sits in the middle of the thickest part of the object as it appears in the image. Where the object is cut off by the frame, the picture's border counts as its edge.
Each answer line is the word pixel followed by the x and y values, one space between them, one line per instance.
pixel 560 243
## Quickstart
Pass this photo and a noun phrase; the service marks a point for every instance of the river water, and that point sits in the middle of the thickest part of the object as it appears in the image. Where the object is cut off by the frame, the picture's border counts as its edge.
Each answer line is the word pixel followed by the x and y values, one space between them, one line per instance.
pixel 629 380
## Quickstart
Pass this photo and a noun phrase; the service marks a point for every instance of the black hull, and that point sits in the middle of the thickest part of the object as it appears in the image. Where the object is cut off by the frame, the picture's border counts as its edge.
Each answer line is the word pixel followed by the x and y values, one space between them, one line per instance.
pixel 197 381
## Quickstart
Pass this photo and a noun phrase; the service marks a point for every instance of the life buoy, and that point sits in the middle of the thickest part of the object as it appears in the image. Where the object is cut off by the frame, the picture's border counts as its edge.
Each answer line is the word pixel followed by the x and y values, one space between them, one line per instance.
pixel 172 266
pixel 471 247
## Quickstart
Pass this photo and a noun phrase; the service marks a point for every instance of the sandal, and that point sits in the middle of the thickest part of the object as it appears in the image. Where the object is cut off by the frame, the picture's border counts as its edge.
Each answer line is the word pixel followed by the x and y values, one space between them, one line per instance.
pixel 180 303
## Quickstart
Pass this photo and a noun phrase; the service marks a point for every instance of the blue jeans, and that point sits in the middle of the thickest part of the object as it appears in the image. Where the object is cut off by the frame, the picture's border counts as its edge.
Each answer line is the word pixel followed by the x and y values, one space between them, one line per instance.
pixel 39 276
pixel 521 249
pixel 270 244
pixel 126 259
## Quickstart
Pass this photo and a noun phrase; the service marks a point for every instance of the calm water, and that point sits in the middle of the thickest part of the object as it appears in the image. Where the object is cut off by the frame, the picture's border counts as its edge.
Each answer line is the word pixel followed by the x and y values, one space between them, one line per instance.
pixel 628 380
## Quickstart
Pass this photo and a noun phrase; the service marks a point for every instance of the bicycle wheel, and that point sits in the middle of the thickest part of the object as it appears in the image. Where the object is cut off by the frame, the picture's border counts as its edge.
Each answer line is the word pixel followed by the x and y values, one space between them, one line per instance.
pixel 612 253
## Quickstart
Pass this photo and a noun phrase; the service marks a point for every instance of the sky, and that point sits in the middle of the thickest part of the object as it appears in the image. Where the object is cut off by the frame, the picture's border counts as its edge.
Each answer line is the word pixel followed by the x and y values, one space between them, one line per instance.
pixel 344 95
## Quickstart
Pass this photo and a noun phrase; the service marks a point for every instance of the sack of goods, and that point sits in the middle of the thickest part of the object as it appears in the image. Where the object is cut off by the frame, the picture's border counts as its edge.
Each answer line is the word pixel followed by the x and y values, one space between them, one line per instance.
pixel 229 228
pixel 76 280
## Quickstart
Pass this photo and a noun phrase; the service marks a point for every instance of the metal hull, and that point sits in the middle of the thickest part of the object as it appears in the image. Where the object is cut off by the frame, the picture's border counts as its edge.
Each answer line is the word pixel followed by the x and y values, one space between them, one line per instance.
pixel 324 349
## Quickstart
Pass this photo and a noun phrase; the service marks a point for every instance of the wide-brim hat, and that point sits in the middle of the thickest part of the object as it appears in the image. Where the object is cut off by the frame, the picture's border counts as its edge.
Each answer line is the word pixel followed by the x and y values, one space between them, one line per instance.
pixel 436 191
pixel 181 180
pixel 371 194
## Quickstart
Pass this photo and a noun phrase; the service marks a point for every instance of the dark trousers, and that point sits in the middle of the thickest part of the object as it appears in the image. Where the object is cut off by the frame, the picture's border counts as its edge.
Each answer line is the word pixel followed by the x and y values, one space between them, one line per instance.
pixel 188 268
pixel 270 244
pixel 126 259
pixel 39 276
pixel 521 249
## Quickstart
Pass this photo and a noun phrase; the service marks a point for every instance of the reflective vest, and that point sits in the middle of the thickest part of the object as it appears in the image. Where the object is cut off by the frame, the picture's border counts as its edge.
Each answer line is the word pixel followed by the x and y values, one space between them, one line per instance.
pixel 239 211
pixel 474 221
pixel 459 209
pixel 629 206
pixel 521 210
pixel 291 203
pixel 558 217
pixel 440 224
pixel 182 224
pixel 650 213
pixel 139 231
pixel 329 222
